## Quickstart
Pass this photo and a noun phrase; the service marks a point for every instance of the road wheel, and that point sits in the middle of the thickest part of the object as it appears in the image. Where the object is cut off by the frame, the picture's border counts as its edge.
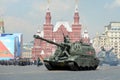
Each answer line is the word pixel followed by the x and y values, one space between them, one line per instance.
pixel 48 66
pixel 94 68
pixel 73 66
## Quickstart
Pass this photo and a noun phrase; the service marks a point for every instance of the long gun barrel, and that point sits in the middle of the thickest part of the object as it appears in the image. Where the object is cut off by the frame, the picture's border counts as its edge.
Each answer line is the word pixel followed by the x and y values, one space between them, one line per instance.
pixel 51 42
pixel 109 50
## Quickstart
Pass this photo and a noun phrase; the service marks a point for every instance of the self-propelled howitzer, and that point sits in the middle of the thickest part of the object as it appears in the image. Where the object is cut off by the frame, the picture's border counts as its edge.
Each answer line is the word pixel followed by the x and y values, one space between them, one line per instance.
pixel 107 57
pixel 71 56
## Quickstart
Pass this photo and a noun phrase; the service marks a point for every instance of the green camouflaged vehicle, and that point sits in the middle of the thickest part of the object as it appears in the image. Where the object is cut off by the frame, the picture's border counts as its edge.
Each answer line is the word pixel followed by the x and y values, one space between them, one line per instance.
pixel 71 56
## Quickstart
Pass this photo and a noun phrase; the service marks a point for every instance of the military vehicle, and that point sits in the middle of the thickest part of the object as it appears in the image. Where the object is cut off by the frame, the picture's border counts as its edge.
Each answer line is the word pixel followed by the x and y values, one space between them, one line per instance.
pixel 71 56
pixel 107 57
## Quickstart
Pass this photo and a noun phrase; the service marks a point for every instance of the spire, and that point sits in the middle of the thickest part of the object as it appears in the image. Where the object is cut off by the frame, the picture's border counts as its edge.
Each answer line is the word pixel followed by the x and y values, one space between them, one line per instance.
pixel 2 25
pixel 85 36
pixel 38 31
pixel 48 15
pixel 76 6
pixel 48 6
pixel 76 14
pixel 41 34
pixel 97 34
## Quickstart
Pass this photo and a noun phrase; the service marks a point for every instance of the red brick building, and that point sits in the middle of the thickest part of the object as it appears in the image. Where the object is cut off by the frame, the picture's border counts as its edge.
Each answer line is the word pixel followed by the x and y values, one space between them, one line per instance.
pixel 85 37
pixel 55 33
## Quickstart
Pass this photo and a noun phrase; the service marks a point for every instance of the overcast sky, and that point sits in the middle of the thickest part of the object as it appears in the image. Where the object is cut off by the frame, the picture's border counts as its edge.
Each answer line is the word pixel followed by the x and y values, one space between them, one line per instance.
pixel 26 16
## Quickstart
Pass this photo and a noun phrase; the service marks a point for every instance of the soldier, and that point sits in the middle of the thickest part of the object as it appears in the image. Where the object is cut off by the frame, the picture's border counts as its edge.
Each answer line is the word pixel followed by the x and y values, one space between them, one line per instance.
pixel 39 62
pixel 66 49
pixel 66 39
pixel 102 48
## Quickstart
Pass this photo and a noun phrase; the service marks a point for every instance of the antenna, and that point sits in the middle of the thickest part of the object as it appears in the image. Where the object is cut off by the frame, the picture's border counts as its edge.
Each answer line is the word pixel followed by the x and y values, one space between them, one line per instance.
pixel 76 5
pixel 62 32
pixel 48 5
pixel 48 1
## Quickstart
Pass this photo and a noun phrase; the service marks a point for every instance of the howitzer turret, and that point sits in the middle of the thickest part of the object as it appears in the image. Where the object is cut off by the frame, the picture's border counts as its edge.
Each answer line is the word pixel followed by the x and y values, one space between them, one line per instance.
pixel 71 56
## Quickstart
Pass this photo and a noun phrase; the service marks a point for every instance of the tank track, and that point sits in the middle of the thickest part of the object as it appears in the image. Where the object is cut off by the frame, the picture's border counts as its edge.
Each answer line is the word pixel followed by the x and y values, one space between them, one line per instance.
pixel 74 67
pixel 71 66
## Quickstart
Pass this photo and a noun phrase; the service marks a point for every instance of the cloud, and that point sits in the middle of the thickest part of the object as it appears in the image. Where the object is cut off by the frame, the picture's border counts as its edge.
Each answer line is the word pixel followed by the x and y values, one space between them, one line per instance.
pixel 114 4
pixel 19 25
pixel 57 7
